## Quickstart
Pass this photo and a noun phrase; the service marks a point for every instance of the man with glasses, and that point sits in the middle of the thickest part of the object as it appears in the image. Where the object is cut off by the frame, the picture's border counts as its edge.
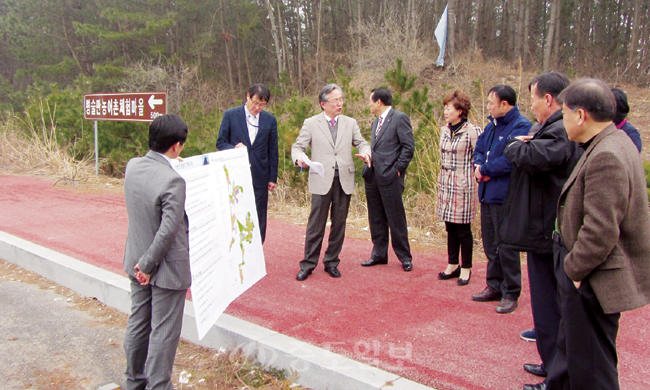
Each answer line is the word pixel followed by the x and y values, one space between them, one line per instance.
pixel 331 137
pixel 250 127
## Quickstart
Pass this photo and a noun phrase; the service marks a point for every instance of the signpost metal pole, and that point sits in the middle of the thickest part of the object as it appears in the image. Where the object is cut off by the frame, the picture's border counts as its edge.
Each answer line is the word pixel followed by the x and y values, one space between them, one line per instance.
pixel 96 153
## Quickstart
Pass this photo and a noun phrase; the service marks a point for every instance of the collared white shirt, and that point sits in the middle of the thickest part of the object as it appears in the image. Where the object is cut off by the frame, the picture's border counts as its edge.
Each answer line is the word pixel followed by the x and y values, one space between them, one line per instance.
pixel 253 124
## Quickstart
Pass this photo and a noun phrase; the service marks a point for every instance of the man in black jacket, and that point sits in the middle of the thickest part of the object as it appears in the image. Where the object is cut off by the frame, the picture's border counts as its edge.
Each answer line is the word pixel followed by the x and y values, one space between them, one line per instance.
pixel 542 161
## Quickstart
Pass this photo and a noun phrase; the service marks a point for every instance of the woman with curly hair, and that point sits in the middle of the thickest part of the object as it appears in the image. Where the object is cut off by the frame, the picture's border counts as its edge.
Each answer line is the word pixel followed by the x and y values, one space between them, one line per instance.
pixel 456 186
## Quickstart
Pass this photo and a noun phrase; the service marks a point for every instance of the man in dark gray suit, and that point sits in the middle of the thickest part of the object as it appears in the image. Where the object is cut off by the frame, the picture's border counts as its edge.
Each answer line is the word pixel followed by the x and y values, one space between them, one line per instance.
pixel 392 147
pixel 156 257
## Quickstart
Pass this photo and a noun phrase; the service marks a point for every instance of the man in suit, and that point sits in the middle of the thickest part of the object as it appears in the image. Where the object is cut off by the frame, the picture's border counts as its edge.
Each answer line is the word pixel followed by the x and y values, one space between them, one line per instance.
pixel 392 146
pixel 602 244
pixel 252 128
pixel 331 137
pixel 156 257
pixel 493 174
pixel 541 164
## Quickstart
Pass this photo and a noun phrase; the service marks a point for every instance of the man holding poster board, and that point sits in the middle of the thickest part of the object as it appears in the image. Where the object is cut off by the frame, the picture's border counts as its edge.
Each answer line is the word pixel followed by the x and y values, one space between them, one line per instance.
pixel 156 256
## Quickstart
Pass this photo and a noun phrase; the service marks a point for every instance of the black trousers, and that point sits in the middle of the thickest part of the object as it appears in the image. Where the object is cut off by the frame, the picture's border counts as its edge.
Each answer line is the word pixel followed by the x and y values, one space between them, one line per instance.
pixel 545 304
pixel 586 355
pixel 504 266
pixel 261 204
pixel 386 214
pixel 339 203
pixel 459 240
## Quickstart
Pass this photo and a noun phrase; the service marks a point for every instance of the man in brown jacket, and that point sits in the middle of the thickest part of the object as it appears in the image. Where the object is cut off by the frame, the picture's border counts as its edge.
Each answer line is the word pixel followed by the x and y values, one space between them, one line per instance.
pixel 602 251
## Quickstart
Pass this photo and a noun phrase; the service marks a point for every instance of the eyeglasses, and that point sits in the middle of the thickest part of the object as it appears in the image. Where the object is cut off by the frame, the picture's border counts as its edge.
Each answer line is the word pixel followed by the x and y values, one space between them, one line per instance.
pixel 257 103
pixel 337 101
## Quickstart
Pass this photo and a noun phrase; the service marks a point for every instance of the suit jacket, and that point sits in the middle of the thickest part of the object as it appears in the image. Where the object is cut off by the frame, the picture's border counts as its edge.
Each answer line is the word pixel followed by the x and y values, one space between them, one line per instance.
pixel 604 220
pixel 157 237
pixel 316 134
pixel 262 153
pixel 393 150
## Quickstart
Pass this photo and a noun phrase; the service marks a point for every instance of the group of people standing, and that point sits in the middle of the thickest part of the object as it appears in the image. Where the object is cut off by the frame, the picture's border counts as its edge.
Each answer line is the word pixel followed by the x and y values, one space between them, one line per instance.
pixel 569 191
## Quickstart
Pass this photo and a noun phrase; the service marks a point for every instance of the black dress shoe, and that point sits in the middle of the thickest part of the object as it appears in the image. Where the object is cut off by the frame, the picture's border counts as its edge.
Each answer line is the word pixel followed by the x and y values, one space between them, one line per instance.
pixel 407 266
pixel 465 282
pixel 333 271
pixel 487 295
pixel 539 386
pixel 371 262
pixel 303 275
pixel 444 276
pixel 535 369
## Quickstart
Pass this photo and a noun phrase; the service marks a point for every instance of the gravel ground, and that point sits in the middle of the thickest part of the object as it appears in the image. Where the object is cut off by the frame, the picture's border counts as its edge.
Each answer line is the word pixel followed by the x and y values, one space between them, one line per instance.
pixel 52 338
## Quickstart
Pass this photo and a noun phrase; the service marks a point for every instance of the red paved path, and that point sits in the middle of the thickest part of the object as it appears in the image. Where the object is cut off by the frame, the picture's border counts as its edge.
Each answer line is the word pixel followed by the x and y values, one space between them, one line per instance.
pixel 407 323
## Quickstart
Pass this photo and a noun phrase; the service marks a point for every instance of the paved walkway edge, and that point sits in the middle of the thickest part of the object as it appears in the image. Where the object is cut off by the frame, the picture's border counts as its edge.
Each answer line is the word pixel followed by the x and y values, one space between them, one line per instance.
pixel 317 368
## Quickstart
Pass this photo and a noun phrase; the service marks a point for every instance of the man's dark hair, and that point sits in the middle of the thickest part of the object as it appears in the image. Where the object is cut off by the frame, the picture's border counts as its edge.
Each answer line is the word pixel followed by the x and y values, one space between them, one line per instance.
pixel 261 91
pixel 382 94
pixel 165 131
pixel 622 108
pixel 505 92
pixel 551 83
pixel 593 96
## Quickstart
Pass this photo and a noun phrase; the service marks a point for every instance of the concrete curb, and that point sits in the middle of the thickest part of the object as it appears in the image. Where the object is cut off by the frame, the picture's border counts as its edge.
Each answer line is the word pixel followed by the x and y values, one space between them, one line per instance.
pixel 317 368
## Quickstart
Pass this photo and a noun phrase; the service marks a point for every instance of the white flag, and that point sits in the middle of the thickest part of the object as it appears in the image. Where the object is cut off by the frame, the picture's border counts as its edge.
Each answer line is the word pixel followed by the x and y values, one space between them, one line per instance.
pixel 441 36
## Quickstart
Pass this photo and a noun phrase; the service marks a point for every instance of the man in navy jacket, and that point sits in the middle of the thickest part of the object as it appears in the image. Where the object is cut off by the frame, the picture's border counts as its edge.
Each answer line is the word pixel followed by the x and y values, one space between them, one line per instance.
pixel 250 127
pixel 493 174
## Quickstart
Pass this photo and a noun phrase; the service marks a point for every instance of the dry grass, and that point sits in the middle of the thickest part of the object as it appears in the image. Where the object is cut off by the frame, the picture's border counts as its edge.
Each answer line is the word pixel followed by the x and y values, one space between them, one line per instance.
pixel 30 146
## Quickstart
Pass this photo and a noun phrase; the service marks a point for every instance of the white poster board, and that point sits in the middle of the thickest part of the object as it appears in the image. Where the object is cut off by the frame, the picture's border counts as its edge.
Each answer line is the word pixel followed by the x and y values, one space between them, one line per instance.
pixel 226 253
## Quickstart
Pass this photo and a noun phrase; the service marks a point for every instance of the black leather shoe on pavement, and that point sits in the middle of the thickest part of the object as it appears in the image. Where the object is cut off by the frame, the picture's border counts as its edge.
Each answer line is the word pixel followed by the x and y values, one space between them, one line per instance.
pixel 487 295
pixel 539 386
pixel 507 306
pixel 371 262
pixel 407 266
pixel 333 271
pixel 535 369
pixel 303 275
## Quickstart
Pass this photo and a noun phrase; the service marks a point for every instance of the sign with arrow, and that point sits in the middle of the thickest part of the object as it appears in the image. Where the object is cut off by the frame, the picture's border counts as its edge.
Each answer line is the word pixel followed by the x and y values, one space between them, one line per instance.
pixel 125 107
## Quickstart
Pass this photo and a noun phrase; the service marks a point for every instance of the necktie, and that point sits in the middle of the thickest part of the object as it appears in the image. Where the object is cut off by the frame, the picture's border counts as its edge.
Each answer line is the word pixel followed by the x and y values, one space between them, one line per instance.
pixel 378 127
pixel 332 122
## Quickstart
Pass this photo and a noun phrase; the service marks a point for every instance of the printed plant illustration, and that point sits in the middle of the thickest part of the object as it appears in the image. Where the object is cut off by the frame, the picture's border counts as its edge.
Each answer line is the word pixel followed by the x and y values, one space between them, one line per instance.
pixel 243 230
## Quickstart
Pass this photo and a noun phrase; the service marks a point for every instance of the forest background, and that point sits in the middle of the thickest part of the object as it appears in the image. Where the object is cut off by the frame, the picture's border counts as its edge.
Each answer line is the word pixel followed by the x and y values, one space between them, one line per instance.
pixel 206 54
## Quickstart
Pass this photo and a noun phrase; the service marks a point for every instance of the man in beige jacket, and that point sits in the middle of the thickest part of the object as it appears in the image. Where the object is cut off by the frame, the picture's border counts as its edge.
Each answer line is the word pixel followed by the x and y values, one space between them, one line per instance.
pixel 602 249
pixel 331 137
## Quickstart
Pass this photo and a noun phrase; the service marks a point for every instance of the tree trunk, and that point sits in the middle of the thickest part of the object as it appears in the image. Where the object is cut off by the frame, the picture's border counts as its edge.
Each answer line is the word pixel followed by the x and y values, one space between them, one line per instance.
pixel 548 46
pixel 226 38
pixel 318 40
pixel 276 40
pixel 451 27
pixel 477 28
pixel 283 40
pixel 636 33
pixel 520 35
pixel 299 22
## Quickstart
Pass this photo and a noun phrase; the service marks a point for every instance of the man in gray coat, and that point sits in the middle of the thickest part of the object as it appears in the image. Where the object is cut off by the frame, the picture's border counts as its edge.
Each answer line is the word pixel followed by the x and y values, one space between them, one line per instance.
pixel 331 137
pixel 602 244
pixel 156 257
